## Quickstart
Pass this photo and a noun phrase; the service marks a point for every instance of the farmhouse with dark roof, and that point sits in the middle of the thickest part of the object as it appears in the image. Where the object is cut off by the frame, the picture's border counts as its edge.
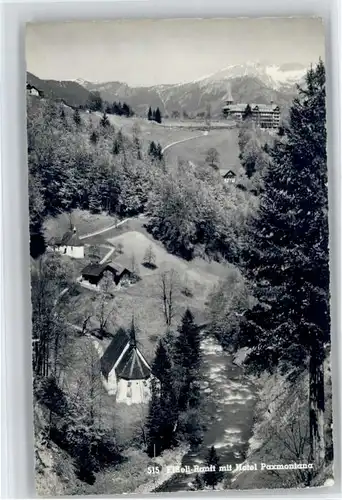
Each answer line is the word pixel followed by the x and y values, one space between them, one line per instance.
pixel 94 273
pixel 228 176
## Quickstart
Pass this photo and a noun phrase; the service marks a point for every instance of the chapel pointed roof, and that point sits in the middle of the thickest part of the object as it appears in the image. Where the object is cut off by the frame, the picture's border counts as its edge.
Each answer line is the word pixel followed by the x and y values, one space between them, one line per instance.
pixel 114 351
pixel 133 365
pixel 228 97
pixel 124 355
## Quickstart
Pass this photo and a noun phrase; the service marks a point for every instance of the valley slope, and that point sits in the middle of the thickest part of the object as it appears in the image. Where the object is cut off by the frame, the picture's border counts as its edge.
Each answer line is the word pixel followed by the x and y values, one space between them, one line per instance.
pixel 247 83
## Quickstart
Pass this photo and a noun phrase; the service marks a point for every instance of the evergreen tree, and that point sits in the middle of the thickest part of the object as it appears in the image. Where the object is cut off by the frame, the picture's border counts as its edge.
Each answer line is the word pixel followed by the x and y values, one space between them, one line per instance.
pixel 115 108
pixel 163 411
pixel 155 151
pixel 116 147
pixel 157 116
pixel 213 477
pixel 77 117
pixel 281 131
pixel 95 200
pixel 169 342
pixel 160 422
pixel 286 257
pixel 158 152
pixel 152 150
pixel 126 110
pixel 199 482
pixel 188 343
pixel 247 114
pixel 62 113
pixel 94 137
pixel 153 422
pixel 149 114
pixel 95 101
pixel 137 147
pixel 104 120
pixel 161 367
pixel 163 370
pixel 188 359
pixel 120 139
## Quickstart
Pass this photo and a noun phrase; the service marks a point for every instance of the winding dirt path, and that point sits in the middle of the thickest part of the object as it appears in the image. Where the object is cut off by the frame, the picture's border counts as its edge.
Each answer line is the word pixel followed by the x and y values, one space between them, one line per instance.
pixel 101 231
pixel 165 148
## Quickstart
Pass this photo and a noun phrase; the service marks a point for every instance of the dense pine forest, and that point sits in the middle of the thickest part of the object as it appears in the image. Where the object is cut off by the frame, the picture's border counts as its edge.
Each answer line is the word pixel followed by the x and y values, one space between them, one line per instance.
pixel 268 235
pixel 95 167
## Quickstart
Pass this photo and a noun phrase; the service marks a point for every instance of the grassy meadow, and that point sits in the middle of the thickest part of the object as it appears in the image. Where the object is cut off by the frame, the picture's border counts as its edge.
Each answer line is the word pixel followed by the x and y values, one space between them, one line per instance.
pixel 163 133
pixel 193 281
pixel 224 141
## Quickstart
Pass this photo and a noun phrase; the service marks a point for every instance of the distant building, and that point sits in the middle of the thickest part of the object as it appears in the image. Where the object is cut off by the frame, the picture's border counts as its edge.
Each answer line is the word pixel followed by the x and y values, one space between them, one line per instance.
pixel 32 90
pixel 126 372
pixel 228 176
pixel 94 273
pixel 69 244
pixel 228 97
pixel 264 115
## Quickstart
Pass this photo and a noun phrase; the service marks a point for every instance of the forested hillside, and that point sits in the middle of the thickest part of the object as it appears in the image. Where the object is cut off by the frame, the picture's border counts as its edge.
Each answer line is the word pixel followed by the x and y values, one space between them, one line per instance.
pixel 188 100
pixel 285 262
pixel 218 269
pixel 193 98
pixel 96 167
pixel 69 92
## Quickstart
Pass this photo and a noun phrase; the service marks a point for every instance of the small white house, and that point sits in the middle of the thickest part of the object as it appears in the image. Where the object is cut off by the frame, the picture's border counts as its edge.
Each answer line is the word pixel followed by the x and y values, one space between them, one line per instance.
pixel 69 244
pixel 126 373
pixel 32 90
pixel 229 177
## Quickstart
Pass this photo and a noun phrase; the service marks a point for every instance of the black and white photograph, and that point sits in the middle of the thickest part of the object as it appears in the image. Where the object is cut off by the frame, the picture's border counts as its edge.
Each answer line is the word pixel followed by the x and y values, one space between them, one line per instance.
pixel 179 255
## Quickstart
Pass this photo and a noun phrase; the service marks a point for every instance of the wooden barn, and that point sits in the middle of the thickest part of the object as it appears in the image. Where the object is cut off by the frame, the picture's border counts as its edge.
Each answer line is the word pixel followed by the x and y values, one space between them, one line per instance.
pixel 93 273
pixel 125 370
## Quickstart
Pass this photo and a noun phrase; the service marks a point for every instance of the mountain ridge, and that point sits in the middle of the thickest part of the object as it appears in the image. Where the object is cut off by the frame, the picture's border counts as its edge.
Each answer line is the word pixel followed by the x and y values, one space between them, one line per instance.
pixel 287 73
pixel 70 92
pixel 251 82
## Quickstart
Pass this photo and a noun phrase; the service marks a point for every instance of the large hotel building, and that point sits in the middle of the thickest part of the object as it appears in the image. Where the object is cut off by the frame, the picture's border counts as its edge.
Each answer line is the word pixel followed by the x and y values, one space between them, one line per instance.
pixel 265 115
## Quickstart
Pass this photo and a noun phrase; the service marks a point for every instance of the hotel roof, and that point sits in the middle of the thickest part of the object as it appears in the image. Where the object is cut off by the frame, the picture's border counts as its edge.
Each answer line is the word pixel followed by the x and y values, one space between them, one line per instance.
pixel 240 108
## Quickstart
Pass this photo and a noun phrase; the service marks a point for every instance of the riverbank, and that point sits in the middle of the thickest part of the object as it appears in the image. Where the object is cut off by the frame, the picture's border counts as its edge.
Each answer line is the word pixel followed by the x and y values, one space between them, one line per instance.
pixel 230 401
pixel 280 435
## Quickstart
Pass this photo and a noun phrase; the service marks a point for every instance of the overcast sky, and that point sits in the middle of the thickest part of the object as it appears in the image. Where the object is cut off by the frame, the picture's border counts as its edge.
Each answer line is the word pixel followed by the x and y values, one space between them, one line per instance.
pixel 148 52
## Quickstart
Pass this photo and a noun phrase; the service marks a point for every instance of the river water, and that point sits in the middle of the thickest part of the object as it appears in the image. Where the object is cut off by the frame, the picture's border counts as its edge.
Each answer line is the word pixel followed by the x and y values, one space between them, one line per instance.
pixel 230 408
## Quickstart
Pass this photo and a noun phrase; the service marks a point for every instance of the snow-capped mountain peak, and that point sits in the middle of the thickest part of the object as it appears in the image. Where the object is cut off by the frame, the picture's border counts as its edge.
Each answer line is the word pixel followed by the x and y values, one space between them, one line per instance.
pixel 83 82
pixel 273 76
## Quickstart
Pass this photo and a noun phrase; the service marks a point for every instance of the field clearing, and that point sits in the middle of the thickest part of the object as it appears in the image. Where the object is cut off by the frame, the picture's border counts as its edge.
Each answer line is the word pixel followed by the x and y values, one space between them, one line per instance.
pixel 199 124
pixel 151 131
pixel 224 141
pixel 84 221
pixel 143 299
